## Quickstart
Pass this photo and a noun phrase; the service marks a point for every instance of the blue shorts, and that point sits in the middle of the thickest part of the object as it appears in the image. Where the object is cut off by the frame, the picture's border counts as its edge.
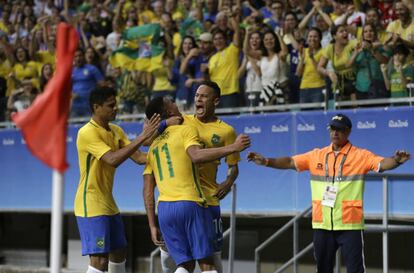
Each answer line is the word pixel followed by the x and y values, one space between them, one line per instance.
pixel 101 234
pixel 217 227
pixel 187 230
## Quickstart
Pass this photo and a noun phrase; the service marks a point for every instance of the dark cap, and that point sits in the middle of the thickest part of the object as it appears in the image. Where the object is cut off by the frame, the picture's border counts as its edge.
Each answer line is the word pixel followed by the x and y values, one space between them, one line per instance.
pixel 340 121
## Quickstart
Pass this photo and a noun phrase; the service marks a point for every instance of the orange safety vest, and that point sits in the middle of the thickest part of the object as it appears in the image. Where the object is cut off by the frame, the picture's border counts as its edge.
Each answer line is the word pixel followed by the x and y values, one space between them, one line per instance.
pixel 344 169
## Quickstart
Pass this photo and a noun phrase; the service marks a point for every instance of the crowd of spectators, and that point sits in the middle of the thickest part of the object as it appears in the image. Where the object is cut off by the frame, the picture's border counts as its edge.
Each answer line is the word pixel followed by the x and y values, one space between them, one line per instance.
pixel 271 52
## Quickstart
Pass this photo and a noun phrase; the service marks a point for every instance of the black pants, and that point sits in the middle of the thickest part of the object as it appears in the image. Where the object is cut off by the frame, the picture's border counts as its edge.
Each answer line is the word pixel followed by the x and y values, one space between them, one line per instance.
pixel 351 242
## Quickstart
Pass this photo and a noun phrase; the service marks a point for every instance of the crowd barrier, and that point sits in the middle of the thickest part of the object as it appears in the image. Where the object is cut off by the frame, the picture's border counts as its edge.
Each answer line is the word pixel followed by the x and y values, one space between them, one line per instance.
pixel 26 183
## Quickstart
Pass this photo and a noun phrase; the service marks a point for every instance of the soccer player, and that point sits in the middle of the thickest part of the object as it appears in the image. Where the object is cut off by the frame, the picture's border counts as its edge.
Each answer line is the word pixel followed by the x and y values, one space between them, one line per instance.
pixel 184 218
pixel 103 146
pixel 213 132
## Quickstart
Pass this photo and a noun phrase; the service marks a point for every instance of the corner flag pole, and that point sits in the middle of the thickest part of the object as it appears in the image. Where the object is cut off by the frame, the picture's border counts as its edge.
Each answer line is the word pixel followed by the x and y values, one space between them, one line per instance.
pixel 56 224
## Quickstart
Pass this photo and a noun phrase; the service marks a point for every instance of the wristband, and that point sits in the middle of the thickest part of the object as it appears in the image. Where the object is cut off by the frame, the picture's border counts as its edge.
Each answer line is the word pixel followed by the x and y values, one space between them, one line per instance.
pixel 266 162
pixel 163 126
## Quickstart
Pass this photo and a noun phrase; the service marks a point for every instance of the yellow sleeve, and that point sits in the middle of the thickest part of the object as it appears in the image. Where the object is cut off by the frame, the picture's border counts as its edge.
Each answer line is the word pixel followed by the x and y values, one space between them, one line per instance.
pixel 391 27
pixel 93 144
pixel 234 50
pixel 327 52
pixel 148 167
pixel 190 136
pixel 234 158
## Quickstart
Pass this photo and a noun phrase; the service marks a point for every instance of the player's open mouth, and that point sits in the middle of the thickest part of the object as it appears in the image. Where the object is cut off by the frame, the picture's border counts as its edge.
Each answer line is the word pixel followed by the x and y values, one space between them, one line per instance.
pixel 199 109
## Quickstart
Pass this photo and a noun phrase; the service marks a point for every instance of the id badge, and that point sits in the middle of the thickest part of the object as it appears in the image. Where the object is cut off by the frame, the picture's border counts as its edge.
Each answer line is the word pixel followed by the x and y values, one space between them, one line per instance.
pixel 329 196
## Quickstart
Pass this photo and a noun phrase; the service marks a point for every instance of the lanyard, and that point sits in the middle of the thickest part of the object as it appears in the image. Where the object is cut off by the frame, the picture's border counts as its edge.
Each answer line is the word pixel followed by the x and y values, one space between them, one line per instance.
pixel 339 176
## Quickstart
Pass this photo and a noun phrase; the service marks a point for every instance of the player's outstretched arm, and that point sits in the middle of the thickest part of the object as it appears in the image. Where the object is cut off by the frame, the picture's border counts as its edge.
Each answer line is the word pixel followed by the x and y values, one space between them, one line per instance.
pixel 115 158
pixel 399 158
pixel 277 163
pixel 149 201
pixel 199 155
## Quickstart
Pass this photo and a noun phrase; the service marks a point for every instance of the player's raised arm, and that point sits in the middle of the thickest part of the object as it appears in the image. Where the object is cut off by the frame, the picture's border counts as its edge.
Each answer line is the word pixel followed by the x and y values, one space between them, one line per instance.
pixel 199 155
pixel 115 158
pixel 277 163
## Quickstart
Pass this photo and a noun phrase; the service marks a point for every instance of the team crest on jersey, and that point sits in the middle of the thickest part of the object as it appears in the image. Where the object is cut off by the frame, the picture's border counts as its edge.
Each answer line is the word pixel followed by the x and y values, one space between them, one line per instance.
pixel 215 139
pixel 100 242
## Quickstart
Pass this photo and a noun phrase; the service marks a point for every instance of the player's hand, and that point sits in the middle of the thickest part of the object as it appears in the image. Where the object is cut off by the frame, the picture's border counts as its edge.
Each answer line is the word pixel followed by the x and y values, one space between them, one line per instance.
pixel 151 127
pixel 156 236
pixel 242 142
pixel 256 158
pixel 401 156
pixel 223 189
pixel 175 120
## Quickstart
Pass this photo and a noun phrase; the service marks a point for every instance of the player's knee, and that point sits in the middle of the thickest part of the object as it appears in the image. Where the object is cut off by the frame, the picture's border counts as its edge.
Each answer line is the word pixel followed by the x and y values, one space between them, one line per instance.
pixel 189 266
pixel 117 256
pixel 99 262
pixel 207 264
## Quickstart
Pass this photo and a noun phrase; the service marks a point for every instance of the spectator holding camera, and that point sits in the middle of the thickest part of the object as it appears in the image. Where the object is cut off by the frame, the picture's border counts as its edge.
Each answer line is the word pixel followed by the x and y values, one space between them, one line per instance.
pixel 367 58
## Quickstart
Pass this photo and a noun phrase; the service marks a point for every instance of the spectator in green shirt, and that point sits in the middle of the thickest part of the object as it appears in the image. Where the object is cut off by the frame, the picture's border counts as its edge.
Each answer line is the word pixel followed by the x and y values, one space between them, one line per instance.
pixel 398 74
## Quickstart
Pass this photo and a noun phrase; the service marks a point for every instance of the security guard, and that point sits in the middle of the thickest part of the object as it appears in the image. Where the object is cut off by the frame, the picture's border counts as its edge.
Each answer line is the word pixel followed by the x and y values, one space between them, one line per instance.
pixel 337 185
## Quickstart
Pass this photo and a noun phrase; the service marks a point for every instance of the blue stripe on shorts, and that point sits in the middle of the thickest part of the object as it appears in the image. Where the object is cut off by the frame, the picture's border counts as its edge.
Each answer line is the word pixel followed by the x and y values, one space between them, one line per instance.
pixel 101 234
pixel 187 230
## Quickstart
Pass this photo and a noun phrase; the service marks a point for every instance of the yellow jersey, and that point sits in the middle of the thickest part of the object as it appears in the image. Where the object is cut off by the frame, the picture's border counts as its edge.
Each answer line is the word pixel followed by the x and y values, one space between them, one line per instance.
pixel 212 135
pixel 405 33
pixel 223 67
pixel 5 69
pixel 175 174
pixel 161 81
pixel 311 77
pixel 29 70
pixel 94 195
pixel 339 62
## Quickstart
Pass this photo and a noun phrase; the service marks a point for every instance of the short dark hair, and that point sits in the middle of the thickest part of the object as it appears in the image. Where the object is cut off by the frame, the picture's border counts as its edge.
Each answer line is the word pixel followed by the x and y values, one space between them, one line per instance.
pixel 219 31
pixel 156 106
pixel 401 49
pixel 213 86
pixel 100 94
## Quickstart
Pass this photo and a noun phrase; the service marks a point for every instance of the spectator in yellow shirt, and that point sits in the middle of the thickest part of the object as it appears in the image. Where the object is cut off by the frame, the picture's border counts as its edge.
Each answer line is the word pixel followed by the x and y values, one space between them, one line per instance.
pixel 312 82
pixel 223 66
pixel 402 29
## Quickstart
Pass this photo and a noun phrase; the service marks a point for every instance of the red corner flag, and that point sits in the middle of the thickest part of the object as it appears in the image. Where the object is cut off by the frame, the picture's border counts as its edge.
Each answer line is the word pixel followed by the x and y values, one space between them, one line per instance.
pixel 44 123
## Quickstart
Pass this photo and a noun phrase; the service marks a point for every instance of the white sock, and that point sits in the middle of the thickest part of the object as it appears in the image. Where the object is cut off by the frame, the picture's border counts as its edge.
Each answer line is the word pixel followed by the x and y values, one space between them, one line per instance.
pixel 181 270
pixel 116 267
pixel 92 269
pixel 217 262
pixel 167 262
pixel 210 271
